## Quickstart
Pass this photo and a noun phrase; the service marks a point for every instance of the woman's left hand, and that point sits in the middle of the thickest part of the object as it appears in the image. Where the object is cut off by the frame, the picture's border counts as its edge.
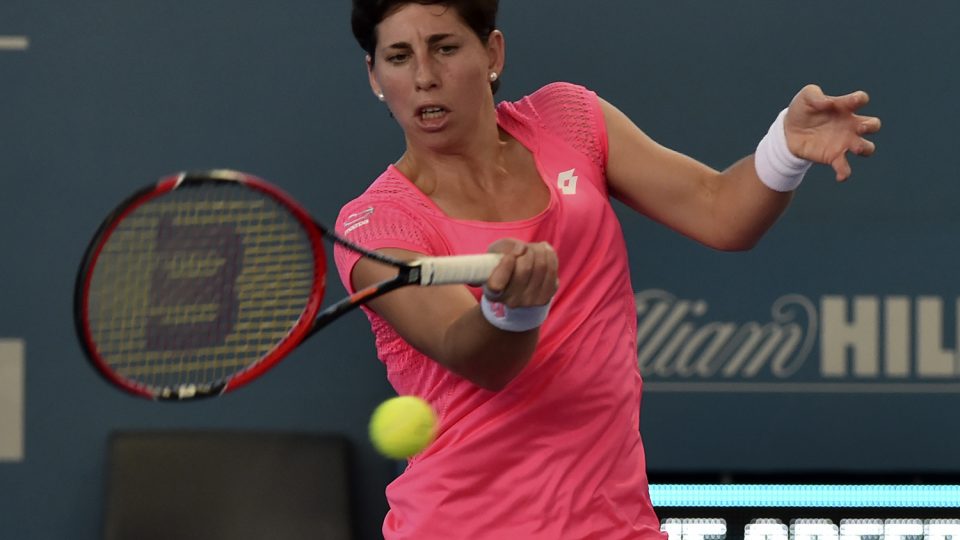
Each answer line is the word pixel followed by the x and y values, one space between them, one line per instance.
pixel 823 128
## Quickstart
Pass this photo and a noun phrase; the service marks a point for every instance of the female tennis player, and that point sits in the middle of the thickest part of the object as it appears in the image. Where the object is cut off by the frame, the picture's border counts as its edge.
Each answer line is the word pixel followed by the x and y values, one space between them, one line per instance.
pixel 534 375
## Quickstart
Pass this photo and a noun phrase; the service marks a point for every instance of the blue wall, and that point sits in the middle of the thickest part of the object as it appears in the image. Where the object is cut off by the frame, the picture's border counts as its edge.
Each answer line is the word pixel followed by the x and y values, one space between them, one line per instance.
pixel 111 95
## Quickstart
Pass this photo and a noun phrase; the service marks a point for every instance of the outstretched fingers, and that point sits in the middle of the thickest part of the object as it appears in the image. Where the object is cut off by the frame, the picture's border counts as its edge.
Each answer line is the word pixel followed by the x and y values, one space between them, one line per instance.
pixel 864 148
pixel 841 166
pixel 821 102
pixel 868 125
pixel 824 128
pixel 853 100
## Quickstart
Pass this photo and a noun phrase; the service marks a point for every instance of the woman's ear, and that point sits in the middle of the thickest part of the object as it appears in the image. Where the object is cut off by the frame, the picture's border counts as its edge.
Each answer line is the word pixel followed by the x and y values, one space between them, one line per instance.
pixel 374 86
pixel 496 51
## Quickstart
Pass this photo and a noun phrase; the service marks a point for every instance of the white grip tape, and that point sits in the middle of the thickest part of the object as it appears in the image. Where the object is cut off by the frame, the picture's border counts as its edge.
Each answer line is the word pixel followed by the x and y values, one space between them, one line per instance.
pixel 473 269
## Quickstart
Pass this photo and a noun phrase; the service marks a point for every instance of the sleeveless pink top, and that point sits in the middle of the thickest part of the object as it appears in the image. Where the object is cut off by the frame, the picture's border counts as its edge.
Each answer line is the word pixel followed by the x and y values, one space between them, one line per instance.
pixel 556 454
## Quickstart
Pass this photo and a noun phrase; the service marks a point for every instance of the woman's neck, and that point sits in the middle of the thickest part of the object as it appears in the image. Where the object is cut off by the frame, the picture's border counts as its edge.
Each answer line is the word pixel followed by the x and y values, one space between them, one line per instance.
pixel 495 180
pixel 479 161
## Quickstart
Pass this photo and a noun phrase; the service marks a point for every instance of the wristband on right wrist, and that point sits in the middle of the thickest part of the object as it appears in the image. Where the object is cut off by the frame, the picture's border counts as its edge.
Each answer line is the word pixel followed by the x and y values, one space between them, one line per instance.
pixel 776 166
pixel 518 319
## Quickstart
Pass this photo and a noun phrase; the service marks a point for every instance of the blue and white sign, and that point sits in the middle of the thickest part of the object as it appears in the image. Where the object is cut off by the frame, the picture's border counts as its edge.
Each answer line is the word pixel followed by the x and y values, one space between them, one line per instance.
pixel 834 343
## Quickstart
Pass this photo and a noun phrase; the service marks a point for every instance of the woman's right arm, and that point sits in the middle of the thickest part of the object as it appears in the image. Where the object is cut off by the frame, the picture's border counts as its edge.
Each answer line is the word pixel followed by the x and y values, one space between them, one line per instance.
pixel 446 322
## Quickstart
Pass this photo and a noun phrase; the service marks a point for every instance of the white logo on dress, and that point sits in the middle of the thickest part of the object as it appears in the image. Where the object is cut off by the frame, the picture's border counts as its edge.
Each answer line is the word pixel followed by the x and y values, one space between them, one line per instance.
pixel 567 182
pixel 357 219
pixel 357 216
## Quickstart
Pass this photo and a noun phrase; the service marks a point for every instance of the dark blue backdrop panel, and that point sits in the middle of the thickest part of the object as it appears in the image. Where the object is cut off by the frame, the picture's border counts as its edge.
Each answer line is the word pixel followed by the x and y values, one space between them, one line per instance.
pixel 111 95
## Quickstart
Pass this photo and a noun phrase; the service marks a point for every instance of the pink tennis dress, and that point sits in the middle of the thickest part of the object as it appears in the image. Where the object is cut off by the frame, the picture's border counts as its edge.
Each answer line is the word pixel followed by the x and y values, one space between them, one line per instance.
pixel 557 453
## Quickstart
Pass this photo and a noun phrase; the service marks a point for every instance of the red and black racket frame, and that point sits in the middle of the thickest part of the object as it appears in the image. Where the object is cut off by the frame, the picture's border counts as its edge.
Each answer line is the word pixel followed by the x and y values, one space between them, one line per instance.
pixel 311 319
pixel 299 332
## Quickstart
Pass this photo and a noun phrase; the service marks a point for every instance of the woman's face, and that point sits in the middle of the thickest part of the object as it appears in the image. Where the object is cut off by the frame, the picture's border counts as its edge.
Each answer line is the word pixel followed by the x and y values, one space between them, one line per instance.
pixel 434 72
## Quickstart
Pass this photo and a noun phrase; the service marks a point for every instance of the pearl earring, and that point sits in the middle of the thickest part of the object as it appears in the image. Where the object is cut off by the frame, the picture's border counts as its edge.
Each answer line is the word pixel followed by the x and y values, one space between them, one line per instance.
pixel 380 96
pixel 493 76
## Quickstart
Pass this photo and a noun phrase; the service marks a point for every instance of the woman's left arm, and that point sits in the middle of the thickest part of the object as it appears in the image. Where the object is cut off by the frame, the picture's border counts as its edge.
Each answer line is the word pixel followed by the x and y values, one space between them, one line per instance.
pixel 732 209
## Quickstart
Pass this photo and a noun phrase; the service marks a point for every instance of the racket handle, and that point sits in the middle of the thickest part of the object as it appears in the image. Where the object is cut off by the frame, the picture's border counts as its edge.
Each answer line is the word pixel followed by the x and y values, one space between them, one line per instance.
pixel 473 269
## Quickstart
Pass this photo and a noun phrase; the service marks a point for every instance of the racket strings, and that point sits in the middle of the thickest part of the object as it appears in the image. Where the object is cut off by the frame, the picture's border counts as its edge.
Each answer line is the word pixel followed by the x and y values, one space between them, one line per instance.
pixel 197 285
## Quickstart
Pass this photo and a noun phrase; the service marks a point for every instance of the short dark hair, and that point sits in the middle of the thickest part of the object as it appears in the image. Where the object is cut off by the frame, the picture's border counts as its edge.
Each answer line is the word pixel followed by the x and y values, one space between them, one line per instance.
pixel 479 15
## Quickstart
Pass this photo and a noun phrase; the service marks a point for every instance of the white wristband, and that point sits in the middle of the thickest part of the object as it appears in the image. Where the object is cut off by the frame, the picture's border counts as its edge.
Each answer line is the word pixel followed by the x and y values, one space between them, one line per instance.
pixel 518 319
pixel 776 166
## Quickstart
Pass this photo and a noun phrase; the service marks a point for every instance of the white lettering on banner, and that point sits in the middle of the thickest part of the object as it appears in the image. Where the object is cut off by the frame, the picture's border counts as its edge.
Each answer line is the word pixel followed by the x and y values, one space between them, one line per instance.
pixel 694 529
pixel 866 343
pixel 765 529
pixel 861 528
pixel 14 43
pixel 816 529
pixel 903 529
pixel 11 399
pixel 859 334
pixel 941 529
pixel 670 344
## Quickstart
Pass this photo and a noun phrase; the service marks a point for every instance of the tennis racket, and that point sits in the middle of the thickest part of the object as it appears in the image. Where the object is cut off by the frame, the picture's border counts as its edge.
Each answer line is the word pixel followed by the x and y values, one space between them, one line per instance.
pixel 200 283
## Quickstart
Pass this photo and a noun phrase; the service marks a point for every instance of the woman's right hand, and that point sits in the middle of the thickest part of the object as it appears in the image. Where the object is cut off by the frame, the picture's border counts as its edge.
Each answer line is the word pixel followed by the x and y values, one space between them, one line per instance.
pixel 526 276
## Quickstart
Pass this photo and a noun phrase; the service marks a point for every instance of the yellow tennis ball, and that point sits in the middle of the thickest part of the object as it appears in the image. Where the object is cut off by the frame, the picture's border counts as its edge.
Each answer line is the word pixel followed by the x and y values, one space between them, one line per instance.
pixel 402 426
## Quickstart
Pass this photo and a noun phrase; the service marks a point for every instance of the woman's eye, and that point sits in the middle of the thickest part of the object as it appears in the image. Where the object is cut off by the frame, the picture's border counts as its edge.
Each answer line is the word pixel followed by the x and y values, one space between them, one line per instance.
pixel 448 49
pixel 397 58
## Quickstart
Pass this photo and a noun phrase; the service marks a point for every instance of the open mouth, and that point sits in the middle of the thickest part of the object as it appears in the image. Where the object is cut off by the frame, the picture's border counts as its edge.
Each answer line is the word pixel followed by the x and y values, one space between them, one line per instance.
pixel 432 112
